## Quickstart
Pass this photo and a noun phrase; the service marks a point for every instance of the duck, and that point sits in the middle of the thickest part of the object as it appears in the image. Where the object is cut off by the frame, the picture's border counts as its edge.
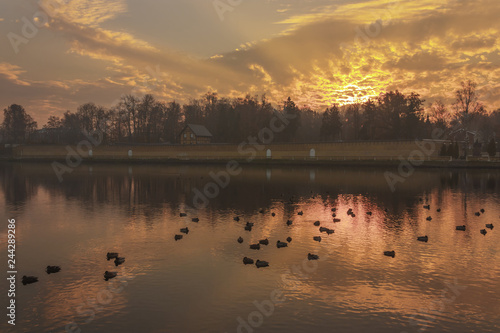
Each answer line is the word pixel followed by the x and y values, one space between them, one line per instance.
pixel 477 213
pixel 249 224
pixel 427 206
pixel 300 213
pixel 334 209
pixel 177 237
pixel 429 218
pixel 334 215
pixel 52 269
pixel 330 231
pixel 247 261
pixel 264 241
pixel 353 215
pixel 273 214
pixel 255 246
pixel 182 214
pixel 261 263
pixel 109 275
pixel 248 228
pixel 289 239
pixel 119 261
pixel 390 253
pixel 311 256
pixel 369 213
pixel 111 255
pixel 438 210
pixel 240 240
pixel 281 244
pixel 349 211
pixel 289 222
pixel 482 210
pixel 317 223
pixel 195 219
pixel 461 227
pixel 483 231
pixel 317 238
pixel 185 230
pixel 261 211
pixel 236 218
pixel 423 239
pixel 29 279
pixel 323 229
pixel 489 226
pixel 336 220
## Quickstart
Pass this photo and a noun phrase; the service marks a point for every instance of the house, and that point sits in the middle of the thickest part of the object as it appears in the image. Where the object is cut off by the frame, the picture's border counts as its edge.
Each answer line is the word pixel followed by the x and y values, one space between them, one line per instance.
pixel 195 135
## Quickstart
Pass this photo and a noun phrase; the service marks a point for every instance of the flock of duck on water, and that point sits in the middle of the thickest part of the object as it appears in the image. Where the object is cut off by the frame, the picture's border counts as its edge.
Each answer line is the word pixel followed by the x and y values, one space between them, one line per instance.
pixel 279 244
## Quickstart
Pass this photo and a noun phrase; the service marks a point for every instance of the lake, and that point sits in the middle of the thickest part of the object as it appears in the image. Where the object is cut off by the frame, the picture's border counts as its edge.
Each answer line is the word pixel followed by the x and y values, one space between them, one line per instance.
pixel 200 284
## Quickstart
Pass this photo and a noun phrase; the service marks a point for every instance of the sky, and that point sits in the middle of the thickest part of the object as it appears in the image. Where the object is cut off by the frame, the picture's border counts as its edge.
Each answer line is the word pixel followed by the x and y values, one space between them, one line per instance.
pixel 58 54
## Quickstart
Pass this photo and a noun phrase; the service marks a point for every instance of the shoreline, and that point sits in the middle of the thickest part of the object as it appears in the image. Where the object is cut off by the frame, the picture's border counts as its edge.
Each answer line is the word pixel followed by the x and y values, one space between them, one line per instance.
pixel 352 162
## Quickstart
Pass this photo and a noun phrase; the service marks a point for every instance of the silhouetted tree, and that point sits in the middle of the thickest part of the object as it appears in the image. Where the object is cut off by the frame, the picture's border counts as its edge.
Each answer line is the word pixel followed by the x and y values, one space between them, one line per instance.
pixel 331 124
pixel 17 124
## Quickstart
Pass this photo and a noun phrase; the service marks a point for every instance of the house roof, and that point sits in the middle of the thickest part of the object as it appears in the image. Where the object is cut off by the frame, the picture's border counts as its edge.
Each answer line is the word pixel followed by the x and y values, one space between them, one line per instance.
pixel 199 130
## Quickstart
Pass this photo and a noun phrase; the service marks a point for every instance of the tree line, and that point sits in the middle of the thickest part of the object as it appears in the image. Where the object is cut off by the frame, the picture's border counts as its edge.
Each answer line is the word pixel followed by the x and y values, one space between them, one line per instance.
pixel 392 115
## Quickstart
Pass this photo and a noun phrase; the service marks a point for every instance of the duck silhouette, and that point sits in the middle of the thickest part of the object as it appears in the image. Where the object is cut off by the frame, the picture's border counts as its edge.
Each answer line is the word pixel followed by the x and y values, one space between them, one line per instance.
pixel 195 219
pixel 489 226
pixel 264 241
pixel 429 218
pixel 182 214
pixel 317 238
pixel 185 230
pixel 236 218
pixel 240 240
pixel 317 223
pixel 311 256
pixel 261 263
pixel 390 253
pixel 483 231
pixel 177 237
pixel 109 275
pixel 423 239
pixel 255 246
pixel 461 227
pixel 247 261
pixel 119 261
pixel 29 279
pixel 52 269
pixel 289 239
pixel 281 244
pixel 111 255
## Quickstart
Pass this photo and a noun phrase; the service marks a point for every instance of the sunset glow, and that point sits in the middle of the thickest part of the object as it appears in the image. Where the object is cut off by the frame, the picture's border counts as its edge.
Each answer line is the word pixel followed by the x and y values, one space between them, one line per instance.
pixel 316 52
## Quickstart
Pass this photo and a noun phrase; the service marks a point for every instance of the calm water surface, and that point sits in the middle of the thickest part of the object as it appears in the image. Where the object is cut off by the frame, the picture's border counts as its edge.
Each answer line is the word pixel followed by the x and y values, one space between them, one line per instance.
pixel 199 283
